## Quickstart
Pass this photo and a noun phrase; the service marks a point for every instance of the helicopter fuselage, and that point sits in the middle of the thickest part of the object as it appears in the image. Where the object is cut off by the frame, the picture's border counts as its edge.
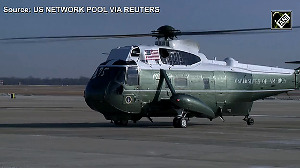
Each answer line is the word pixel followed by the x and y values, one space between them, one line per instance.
pixel 128 86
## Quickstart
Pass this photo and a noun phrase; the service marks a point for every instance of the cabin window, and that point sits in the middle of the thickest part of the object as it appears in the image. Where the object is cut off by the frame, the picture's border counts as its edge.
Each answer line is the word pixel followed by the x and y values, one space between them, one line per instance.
pixel 180 82
pixel 132 77
pixel 175 57
pixel 206 83
pixel 135 52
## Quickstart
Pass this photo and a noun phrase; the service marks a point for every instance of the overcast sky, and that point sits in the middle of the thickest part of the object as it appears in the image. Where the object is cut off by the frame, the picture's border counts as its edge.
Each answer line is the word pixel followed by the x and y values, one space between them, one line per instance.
pixel 80 58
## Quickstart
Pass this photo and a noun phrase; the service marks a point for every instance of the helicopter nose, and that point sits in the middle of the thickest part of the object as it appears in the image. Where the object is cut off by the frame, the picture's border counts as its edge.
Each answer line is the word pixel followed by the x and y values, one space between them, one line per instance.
pixel 103 93
pixel 105 99
pixel 94 95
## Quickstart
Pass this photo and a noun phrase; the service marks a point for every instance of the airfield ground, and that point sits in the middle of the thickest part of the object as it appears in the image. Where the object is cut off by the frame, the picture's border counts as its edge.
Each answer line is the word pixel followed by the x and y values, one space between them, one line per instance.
pixel 51 126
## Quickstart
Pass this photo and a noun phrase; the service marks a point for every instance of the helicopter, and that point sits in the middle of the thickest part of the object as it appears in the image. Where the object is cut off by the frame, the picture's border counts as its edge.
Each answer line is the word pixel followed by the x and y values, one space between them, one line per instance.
pixel 174 79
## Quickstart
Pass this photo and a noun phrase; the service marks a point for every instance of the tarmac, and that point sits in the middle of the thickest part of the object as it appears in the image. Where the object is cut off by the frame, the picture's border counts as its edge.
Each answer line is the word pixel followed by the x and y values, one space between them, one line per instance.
pixel 61 131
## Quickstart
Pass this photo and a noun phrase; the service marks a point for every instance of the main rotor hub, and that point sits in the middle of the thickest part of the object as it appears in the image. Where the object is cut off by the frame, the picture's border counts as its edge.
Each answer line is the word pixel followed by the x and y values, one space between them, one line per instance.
pixel 167 32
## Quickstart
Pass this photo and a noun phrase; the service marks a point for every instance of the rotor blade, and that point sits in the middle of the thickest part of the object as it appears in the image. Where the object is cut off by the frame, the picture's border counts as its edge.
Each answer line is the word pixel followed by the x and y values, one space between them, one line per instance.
pixel 77 37
pixel 234 31
pixel 293 62
pixel 153 34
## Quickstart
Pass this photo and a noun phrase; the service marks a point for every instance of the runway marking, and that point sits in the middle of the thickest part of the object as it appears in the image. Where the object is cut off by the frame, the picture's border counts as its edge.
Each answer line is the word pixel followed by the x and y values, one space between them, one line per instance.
pixel 285 142
pixel 274 116
pixel 261 167
pixel 259 115
pixel 33 107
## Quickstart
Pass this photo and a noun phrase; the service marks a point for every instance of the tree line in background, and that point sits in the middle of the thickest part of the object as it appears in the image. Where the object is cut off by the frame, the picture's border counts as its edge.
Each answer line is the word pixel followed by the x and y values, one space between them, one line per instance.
pixel 45 81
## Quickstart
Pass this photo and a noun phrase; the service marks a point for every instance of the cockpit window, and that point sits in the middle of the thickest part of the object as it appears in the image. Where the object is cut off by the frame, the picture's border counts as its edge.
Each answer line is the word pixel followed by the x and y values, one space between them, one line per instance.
pixel 95 73
pixel 120 78
pixel 132 76
pixel 100 71
pixel 122 62
pixel 175 57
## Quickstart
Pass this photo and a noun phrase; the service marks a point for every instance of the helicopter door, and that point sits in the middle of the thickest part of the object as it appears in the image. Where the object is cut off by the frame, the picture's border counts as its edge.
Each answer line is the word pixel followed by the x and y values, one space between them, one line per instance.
pixel 132 76
pixel 220 87
pixel 131 98
pixel 208 87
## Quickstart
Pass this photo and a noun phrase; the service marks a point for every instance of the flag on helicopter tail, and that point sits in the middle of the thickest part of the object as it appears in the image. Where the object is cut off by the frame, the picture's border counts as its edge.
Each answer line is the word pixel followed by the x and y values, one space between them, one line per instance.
pixel 152 55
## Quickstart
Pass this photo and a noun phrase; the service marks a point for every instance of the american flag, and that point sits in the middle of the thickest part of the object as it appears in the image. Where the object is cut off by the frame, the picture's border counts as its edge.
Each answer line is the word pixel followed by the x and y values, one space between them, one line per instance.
pixel 152 55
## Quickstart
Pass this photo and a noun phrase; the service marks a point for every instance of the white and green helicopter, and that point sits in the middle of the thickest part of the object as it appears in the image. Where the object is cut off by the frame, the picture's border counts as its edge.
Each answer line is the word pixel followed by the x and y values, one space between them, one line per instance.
pixel 173 79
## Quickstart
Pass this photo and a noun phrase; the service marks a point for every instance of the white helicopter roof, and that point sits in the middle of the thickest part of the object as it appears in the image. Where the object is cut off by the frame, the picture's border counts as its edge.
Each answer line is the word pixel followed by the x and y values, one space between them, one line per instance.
pixel 184 55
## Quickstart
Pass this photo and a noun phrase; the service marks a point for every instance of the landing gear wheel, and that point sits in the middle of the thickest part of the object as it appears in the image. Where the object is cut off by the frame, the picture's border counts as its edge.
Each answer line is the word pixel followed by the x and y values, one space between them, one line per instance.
pixel 121 122
pixel 182 122
pixel 179 122
pixel 250 121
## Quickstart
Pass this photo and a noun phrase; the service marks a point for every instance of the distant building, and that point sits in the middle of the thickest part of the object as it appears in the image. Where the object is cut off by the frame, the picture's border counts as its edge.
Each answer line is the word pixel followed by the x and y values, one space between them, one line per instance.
pixel 1 82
